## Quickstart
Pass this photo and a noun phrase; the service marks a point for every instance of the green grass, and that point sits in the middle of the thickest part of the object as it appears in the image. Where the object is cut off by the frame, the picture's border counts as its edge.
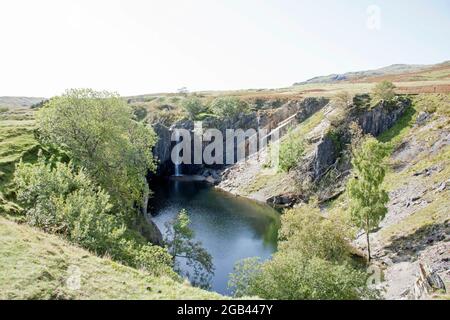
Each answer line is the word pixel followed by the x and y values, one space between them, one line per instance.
pixel 17 142
pixel 36 265
pixel 395 134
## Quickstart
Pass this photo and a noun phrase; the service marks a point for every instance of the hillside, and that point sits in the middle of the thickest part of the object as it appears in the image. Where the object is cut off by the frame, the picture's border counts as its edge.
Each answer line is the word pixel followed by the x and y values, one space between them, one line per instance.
pixel 36 265
pixel 18 102
pixel 416 228
pixel 393 71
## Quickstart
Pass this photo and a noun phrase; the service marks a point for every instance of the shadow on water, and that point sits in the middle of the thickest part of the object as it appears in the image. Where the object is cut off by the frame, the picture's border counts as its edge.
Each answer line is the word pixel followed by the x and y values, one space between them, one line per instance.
pixel 230 228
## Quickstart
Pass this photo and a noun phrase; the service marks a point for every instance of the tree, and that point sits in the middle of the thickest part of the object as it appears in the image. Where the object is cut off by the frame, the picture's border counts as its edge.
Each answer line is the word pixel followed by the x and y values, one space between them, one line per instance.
pixel 180 243
pixel 291 150
pixel 61 199
pixel 384 90
pixel 367 201
pixel 342 99
pixel 307 232
pixel 229 107
pixel 291 276
pixel 193 107
pixel 97 131
pixel 313 262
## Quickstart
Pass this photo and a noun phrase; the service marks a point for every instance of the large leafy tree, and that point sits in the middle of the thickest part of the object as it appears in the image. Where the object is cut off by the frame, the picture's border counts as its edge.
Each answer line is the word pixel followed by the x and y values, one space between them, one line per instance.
pixel 97 131
pixel 61 199
pixel 367 200
pixel 313 262
pixel 181 245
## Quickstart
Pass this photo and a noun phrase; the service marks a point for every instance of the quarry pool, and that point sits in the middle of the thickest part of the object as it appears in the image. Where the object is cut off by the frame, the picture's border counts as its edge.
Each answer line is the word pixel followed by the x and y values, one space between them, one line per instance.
pixel 229 227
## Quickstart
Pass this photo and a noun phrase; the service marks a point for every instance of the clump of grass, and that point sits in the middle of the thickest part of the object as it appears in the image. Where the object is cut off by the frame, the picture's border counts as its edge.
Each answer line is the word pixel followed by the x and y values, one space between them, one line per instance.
pixel 433 103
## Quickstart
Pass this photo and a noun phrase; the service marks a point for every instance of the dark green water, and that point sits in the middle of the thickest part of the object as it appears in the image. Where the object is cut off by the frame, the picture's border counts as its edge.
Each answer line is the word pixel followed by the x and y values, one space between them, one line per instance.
pixel 229 227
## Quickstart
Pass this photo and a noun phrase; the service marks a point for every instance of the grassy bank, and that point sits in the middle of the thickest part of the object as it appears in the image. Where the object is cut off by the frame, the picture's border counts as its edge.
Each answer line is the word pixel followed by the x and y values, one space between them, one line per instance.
pixel 36 265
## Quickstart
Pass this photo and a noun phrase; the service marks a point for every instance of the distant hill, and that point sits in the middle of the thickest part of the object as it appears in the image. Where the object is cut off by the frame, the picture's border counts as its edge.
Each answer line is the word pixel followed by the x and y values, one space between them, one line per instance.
pixel 395 69
pixel 17 102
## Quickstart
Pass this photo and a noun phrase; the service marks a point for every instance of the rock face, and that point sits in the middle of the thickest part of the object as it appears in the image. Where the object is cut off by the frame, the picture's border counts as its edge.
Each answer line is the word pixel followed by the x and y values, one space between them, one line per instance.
pixel 324 157
pixel 162 149
pixel 264 119
pixel 309 106
pixel 382 117
pixel 374 121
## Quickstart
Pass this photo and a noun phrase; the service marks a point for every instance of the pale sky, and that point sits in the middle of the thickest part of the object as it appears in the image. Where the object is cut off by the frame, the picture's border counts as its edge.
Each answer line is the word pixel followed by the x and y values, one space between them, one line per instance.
pixel 136 47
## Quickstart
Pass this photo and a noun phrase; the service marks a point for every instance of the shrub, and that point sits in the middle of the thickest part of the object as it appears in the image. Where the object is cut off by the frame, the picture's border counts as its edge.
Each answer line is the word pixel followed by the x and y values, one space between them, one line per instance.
pixel 384 90
pixel 305 231
pixel 290 276
pixel 193 106
pixel 291 150
pixel 313 262
pixel 139 113
pixel 432 103
pixel 3 109
pixel 229 107
pixel 342 100
pixel 97 131
pixel 60 200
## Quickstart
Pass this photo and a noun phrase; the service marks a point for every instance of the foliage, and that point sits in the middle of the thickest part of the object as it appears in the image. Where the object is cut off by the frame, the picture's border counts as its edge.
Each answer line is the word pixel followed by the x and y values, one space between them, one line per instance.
pixel 229 107
pixel 290 276
pixel 139 113
pixel 62 200
pixel 180 243
pixel 291 150
pixel 305 231
pixel 3 109
pixel 384 90
pixel 313 262
pixel 193 106
pixel 342 99
pixel 97 131
pixel 367 201
pixel 433 103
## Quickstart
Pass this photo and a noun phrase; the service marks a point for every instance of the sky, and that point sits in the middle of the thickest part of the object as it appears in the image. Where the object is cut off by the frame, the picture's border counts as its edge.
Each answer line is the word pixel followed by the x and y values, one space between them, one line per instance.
pixel 149 46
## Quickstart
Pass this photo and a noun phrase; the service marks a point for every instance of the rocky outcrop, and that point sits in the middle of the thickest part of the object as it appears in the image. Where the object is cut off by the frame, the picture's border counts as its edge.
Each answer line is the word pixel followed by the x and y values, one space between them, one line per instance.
pixel 373 121
pixel 162 149
pixel 309 106
pixel 382 117
pixel 299 110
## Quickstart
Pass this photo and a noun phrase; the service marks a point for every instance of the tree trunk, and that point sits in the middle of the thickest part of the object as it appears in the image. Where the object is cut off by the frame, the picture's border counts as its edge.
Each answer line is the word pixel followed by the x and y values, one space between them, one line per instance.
pixel 368 238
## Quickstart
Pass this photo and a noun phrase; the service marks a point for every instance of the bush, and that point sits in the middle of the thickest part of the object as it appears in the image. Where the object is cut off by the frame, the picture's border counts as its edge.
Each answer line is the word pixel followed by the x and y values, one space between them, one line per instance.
pixel 4 109
pixel 60 200
pixel 290 276
pixel 97 131
pixel 139 113
pixel 305 231
pixel 193 106
pixel 342 100
pixel 313 262
pixel 229 107
pixel 291 150
pixel 433 103
pixel 384 90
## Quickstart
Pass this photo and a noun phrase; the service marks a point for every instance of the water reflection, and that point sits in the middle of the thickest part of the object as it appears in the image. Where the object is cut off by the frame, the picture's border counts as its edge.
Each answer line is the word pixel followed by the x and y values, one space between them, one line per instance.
pixel 230 228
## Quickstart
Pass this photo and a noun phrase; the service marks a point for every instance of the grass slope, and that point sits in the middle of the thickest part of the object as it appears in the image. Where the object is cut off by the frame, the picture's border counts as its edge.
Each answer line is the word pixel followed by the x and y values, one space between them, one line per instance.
pixel 37 265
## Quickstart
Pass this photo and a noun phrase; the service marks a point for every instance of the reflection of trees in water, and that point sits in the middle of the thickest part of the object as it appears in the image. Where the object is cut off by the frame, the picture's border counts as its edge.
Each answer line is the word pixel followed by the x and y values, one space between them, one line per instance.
pixel 221 221
pixel 179 240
